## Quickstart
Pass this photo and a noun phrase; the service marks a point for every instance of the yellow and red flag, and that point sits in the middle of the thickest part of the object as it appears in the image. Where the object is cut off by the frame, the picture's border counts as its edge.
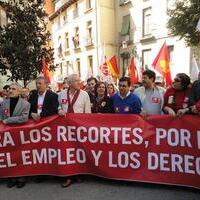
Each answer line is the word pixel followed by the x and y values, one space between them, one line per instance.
pixel 113 67
pixel 161 64
pixel 45 70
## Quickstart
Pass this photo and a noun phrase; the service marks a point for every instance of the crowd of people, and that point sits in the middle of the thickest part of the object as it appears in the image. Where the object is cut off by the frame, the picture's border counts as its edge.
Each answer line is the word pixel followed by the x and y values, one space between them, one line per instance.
pixel 150 97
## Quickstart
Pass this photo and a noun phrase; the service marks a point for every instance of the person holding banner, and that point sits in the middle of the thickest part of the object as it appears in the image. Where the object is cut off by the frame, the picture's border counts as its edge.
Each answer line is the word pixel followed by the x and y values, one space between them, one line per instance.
pixel 43 102
pixel 101 103
pixel 176 98
pixel 91 82
pixel 151 96
pixel 14 110
pixel 73 100
pixel 124 101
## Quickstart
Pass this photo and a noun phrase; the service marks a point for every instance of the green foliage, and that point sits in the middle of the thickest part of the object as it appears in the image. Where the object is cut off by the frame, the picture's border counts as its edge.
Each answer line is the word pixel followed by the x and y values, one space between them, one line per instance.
pixel 24 40
pixel 183 21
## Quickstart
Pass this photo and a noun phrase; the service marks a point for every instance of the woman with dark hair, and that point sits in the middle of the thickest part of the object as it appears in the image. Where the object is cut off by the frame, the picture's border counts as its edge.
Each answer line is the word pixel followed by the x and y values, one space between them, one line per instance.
pixel 101 103
pixel 110 89
pixel 176 98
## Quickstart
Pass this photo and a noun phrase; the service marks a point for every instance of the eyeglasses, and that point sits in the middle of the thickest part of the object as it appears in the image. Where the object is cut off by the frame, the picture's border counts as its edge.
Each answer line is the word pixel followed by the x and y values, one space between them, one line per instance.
pixel 121 85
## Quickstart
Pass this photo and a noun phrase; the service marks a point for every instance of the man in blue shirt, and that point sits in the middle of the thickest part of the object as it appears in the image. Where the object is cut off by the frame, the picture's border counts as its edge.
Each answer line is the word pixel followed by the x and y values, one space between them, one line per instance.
pixel 124 101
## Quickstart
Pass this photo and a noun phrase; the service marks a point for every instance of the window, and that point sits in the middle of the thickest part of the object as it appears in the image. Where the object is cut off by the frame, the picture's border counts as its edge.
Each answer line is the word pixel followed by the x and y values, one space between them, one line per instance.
pixel 146 58
pixel 76 38
pixel 59 22
pixel 66 73
pixel 89 39
pixel 66 40
pixel 75 12
pixel 147 22
pixel 89 29
pixel 88 4
pixel 61 69
pixel 78 66
pixel 90 65
pixel 125 62
pixel 65 17
pixel 125 25
pixel 59 47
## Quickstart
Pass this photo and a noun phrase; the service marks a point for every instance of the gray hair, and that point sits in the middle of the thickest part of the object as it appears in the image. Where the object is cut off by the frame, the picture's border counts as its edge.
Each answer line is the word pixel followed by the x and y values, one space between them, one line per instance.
pixel 70 77
pixel 42 78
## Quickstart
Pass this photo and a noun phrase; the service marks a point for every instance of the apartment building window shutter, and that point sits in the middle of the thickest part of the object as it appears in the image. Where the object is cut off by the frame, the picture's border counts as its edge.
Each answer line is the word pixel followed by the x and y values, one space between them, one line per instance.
pixel 125 25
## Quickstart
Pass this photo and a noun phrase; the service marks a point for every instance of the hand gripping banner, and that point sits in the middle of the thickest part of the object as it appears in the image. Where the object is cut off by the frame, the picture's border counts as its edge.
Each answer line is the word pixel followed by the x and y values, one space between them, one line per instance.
pixel 158 149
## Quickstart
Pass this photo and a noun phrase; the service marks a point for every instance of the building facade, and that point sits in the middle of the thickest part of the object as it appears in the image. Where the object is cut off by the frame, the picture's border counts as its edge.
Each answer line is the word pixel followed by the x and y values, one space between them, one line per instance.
pixel 142 30
pixel 82 34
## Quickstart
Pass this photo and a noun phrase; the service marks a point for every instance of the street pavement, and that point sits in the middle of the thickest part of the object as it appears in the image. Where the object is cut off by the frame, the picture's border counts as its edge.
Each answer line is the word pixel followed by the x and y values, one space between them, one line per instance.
pixel 97 189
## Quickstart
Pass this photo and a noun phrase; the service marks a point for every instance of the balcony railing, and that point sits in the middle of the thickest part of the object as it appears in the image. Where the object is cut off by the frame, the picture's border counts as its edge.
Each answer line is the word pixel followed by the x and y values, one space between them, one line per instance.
pixel 89 41
pixel 124 2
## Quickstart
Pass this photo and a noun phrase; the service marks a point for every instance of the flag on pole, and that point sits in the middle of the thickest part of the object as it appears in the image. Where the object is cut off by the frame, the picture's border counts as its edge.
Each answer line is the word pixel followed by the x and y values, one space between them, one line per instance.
pixel 133 72
pixel 104 75
pixel 194 70
pixel 113 67
pixel 161 64
pixel 198 25
pixel 45 70
pixel 104 68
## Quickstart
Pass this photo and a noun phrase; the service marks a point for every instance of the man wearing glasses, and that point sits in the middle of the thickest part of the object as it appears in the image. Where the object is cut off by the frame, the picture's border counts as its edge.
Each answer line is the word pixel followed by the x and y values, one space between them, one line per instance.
pixel 125 102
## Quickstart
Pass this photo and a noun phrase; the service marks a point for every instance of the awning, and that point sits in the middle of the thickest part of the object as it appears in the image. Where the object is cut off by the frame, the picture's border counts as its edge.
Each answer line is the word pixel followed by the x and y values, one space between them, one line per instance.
pixel 125 25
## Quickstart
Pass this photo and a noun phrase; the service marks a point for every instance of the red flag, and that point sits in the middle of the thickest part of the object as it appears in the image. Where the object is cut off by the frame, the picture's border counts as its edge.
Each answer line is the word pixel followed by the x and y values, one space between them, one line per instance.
pixel 161 64
pixel 45 70
pixel 113 67
pixel 133 73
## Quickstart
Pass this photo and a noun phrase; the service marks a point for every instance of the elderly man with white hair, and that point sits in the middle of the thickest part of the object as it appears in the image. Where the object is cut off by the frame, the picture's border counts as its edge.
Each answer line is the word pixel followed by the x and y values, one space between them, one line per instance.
pixel 73 99
pixel 14 110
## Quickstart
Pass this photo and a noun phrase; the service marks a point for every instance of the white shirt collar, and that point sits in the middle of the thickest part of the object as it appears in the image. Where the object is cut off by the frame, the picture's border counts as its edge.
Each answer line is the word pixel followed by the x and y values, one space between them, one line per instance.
pixel 125 96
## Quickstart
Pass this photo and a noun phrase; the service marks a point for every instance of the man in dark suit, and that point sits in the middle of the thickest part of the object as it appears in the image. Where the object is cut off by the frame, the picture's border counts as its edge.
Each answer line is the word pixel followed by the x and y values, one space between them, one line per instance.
pixel 43 101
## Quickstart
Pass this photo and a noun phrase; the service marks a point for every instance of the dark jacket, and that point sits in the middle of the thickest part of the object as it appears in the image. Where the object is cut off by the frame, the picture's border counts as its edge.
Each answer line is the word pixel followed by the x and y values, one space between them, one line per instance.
pixel 195 93
pixel 103 106
pixel 50 104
